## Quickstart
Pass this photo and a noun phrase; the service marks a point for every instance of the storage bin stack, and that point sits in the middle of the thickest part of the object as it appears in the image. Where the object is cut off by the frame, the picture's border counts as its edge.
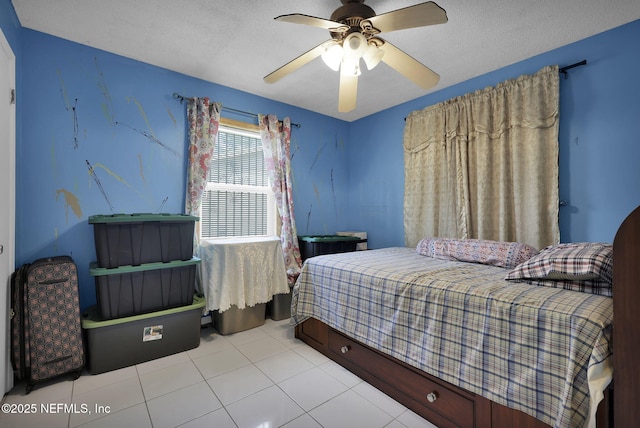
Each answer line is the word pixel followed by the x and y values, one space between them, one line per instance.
pixel 145 282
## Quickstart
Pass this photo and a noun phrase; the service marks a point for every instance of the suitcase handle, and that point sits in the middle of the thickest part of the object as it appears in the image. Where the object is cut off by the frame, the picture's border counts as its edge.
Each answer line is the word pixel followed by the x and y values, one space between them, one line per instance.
pixel 57 360
pixel 54 281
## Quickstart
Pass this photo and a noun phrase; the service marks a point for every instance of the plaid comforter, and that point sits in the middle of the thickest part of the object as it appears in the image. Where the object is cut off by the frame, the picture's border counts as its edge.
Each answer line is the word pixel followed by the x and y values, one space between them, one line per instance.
pixel 536 349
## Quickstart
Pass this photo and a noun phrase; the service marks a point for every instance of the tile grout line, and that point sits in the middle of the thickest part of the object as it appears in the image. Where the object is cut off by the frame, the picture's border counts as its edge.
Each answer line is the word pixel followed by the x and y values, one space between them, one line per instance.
pixel 274 332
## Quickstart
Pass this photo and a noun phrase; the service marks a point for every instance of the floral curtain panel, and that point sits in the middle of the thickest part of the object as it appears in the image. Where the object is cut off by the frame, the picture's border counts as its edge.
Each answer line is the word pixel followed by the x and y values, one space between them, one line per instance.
pixel 203 118
pixel 485 165
pixel 276 146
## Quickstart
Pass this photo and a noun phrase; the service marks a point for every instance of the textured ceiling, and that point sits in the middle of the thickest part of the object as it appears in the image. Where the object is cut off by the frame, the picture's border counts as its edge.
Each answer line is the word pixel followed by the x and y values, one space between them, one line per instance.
pixel 236 43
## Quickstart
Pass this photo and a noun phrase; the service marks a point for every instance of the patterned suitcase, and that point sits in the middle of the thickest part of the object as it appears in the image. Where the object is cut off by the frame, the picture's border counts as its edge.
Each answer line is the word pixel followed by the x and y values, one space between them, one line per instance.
pixel 48 330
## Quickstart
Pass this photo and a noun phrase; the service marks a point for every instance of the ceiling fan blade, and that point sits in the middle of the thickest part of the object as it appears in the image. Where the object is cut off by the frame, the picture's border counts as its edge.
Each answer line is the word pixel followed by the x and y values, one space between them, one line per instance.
pixel 295 64
pixel 298 18
pixel 348 93
pixel 408 66
pixel 419 15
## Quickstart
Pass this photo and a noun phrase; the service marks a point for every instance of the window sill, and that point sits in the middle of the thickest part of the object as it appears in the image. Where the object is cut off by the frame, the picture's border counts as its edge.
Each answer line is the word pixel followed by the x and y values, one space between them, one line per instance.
pixel 240 239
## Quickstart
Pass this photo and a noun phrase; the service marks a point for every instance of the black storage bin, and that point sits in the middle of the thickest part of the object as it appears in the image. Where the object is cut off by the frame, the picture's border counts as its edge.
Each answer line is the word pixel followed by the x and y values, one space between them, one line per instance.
pixel 123 342
pixel 134 290
pixel 135 239
pixel 311 246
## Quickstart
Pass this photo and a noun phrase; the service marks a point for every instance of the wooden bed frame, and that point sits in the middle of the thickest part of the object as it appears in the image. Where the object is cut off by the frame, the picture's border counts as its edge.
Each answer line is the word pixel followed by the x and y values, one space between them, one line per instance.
pixel 446 405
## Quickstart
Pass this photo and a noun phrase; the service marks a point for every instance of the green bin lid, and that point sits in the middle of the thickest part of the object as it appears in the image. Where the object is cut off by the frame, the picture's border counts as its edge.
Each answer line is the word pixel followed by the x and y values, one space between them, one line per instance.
pixel 139 217
pixel 94 270
pixel 91 319
pixel 329 238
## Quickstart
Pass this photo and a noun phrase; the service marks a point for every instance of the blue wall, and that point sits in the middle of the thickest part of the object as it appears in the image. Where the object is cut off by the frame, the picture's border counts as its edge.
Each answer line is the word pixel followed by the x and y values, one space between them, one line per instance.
pixel 103 134
pixel 599 145
pixel 78 104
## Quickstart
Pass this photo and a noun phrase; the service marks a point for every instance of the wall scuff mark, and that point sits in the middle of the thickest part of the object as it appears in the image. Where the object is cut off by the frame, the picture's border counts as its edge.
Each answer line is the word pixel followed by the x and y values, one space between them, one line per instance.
pixel 93 175
pixel 144 180
pixel 151 138
pixel 120 179
pixel 309 217
pixel 143 114
pixel 63 91
pixel 164 201
pixel 316 191
pixel 339 143
pixel 70 108
pixel 296 147
pixel 317 156
pixel 173 119
pixel 70 200
pixel 74 113
pixel 107 106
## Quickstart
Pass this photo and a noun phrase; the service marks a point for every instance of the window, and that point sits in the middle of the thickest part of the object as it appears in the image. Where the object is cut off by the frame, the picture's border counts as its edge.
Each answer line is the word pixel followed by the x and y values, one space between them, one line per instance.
pixel 238 200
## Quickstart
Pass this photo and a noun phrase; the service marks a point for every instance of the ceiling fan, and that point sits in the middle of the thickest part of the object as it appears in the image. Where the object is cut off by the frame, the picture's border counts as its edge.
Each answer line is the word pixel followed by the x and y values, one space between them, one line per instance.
pixel 355 29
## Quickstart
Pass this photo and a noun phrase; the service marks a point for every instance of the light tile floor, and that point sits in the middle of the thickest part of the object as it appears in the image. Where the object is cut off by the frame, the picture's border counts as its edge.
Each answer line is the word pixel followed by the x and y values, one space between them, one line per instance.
pixel 262 377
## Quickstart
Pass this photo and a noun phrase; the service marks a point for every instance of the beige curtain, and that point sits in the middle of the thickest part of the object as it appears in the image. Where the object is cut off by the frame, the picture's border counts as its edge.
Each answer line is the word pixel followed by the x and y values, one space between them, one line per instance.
pixel 485 165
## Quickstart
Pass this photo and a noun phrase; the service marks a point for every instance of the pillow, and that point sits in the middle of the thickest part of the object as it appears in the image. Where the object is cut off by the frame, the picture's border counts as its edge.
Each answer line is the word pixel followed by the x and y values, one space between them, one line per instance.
pixel 434 247
pixel 592 286
pixel 582 266
pixel 502 254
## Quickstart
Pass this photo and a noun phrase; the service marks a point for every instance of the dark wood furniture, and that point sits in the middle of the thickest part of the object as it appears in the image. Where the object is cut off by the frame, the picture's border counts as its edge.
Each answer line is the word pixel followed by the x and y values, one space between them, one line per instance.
pixel 441 403
pixel 626 331
pixel 446 405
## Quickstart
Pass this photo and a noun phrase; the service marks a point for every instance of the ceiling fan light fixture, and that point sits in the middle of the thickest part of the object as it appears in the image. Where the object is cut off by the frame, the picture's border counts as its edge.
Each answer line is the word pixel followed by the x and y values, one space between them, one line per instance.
pixel 355 45
pixel 332 55
pixel 372 56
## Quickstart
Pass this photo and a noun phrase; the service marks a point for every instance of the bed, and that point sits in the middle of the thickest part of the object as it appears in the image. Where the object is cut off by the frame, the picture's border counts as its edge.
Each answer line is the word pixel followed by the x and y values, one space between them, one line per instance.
pixel 460 345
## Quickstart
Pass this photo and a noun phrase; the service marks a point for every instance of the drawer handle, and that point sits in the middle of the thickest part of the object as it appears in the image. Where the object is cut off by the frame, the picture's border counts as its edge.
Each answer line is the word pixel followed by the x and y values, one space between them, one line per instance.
pixel 345 349
pixel 432 397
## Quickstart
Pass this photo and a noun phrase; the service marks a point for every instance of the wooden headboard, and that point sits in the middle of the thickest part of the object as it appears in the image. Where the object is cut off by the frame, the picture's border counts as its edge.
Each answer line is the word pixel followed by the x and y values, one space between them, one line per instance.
pixel 626 330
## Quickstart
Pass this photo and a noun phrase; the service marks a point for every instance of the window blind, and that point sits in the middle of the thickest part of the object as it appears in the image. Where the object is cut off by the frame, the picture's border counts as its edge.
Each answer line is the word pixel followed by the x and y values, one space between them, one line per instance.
pixel 236 200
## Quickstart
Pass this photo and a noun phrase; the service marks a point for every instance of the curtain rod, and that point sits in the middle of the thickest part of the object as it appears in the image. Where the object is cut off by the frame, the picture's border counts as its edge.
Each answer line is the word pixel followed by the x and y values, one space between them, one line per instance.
pixel 563 70
pixel 182 98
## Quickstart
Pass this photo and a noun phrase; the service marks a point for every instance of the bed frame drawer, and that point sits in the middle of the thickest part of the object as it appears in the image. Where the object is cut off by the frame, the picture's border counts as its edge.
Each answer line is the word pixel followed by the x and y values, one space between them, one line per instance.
pixel 453 407
pixel 456 407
